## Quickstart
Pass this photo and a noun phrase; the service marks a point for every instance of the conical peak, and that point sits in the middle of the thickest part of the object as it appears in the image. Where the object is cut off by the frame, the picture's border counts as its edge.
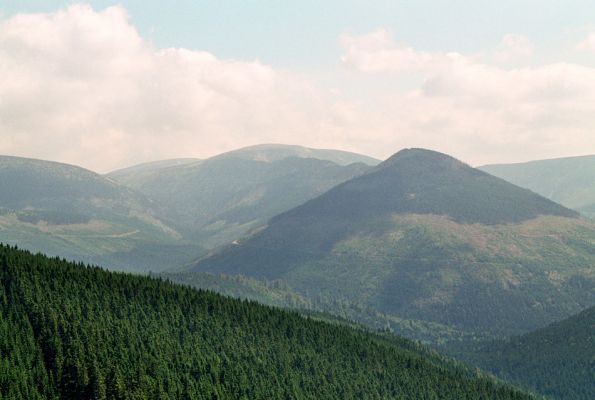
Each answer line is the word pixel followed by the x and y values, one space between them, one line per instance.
pixel 422 156
pixel 421 163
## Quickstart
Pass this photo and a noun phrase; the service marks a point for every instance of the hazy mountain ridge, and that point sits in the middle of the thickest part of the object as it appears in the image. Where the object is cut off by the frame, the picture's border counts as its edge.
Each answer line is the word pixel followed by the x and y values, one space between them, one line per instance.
pixel 277 152
pixel 569 181
pixel 75 213
pixel 419 181
pixel 425 237
pixel 218 200
pixel 145 170
pixel 69 211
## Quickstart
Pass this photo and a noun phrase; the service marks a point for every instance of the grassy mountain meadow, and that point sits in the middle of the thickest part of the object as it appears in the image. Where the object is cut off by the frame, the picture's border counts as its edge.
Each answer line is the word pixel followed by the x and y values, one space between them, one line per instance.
pixel 218 200
pixel 569 181
pixel 69 331
pixel 423 237
pixel 557 361
pixel 75 213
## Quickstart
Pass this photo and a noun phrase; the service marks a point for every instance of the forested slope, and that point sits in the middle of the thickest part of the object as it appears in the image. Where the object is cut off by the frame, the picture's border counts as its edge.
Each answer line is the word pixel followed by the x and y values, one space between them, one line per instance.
pixel 279 294
pixel 74 332
pixel 424 237
pixel 558 360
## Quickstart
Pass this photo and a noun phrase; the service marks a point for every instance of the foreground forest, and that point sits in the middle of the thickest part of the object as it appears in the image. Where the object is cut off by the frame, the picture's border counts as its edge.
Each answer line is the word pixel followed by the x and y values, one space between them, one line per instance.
pixel 71 331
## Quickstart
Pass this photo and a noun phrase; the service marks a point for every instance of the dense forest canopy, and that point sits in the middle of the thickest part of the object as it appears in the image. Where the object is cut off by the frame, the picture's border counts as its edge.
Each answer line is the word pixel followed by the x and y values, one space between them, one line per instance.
pixel 71 331
pixel 558 360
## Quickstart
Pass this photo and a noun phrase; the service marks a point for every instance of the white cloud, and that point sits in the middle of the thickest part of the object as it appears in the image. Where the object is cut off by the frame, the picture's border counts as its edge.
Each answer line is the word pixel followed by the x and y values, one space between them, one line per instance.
pixel 479 111
pixel 376 52
pixel 512 48
pixel 587 44
pixel 82 86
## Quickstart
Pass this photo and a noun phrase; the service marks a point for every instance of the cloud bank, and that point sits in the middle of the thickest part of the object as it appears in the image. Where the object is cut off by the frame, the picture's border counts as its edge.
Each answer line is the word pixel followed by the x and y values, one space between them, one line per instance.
pixel 587 44
pixel 474 107
pixel 82 86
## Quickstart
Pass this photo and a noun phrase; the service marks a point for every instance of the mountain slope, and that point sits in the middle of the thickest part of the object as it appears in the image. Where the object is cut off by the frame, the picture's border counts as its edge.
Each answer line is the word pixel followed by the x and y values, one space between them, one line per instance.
pixel 558 360
pixel 279 294
pixel 426 237
pixel 74 332
pixel 218 200
pixel 277 152
pixel 569 181
pixel 65 210
pixel 137 173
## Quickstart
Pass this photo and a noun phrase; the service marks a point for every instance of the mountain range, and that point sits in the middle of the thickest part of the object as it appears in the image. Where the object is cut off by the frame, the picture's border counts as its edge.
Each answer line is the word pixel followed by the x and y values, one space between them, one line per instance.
pixel 420 244
pixel 218 200
pixel 163 214
pixel 424 237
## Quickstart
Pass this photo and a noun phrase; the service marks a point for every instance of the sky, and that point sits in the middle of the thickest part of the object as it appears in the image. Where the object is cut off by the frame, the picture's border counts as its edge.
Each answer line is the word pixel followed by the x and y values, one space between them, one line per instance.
pixel 106 84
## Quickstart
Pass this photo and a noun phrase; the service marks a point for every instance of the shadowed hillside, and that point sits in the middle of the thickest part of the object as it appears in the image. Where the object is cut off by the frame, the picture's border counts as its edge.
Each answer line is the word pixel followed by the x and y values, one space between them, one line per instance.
pixel 218 200
pixel 425 237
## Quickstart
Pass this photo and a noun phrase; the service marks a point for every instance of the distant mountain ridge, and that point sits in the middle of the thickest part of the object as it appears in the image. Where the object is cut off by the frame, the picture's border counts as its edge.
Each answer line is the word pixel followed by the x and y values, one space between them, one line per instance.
pixel 32 182
pixel 218 200
pixel 424 236
pixel 277 152
pixel 569 181
pixel 69 211
pixel 161 214
pixel 125 175
pixel 422 181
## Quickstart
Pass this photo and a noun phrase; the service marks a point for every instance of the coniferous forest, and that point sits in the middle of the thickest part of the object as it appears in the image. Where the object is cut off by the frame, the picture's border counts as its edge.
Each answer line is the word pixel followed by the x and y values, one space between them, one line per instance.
pixel 557 361
pixel 72 331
